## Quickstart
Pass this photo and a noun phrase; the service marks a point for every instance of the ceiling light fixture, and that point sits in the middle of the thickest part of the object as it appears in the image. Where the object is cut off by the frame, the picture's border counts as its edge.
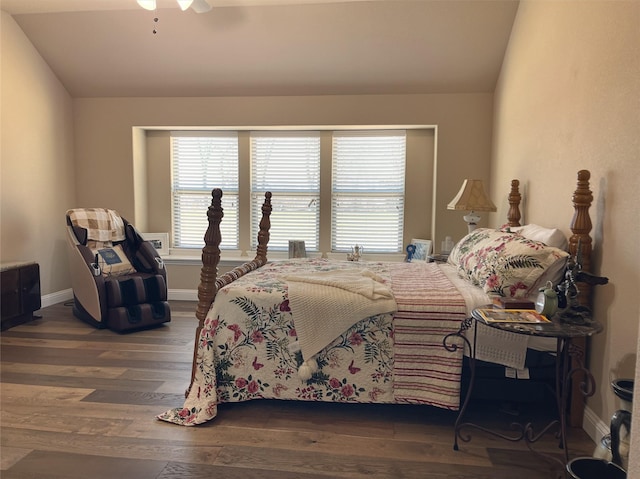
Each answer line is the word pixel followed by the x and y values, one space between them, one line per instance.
pixel 147 4
pixel 198 6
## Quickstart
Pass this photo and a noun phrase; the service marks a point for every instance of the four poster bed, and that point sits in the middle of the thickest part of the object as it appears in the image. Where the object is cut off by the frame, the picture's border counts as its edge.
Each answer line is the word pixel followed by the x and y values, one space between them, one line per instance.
pixel 368 332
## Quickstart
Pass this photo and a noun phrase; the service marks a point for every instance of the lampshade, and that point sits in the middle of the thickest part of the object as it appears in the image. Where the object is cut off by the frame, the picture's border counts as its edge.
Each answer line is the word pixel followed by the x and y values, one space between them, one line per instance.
pixel 472 197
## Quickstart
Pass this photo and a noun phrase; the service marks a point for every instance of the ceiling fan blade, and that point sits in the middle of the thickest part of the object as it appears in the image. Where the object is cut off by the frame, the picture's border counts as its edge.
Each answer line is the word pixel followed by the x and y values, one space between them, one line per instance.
pixel 184 4
pixel 200 6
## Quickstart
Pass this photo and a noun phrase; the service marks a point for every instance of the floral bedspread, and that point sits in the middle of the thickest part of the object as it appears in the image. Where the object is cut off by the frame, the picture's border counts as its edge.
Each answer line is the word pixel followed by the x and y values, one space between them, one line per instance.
pixel 248 347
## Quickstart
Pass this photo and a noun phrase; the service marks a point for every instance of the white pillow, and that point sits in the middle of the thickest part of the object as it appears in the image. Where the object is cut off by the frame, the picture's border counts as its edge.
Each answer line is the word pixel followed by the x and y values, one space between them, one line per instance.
pixel 549 236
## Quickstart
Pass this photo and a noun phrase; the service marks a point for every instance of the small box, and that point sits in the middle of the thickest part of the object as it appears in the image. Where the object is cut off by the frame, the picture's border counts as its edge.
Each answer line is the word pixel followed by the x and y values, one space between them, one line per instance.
pixel 512 303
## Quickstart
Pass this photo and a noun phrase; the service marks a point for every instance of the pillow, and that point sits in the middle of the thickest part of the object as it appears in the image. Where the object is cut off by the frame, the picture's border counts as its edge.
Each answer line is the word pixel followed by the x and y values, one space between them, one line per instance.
pixel 113 261
pixel 506 264
pixel 549 236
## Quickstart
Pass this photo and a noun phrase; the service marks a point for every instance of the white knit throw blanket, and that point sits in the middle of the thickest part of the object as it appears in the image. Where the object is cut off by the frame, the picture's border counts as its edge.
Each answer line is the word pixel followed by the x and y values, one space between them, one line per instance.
pixel 326 304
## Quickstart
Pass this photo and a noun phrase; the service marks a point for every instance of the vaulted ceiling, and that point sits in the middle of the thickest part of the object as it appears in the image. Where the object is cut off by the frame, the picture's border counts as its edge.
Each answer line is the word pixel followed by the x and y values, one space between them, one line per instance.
pixel 108 48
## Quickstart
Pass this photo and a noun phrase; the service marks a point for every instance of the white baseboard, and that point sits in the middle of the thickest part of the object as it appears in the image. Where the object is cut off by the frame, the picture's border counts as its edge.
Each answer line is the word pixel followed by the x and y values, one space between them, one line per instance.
pixel 55 298
pixel 67 294
pixel 594 426
pixel 183 294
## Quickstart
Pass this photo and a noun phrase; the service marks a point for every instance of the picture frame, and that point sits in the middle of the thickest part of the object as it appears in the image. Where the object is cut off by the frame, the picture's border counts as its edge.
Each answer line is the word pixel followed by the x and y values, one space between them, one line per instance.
pixel 423 249
pixel 160 241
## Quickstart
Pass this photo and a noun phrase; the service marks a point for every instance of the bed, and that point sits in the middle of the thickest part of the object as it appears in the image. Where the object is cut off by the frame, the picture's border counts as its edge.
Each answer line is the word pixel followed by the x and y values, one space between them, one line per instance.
pixel 313 329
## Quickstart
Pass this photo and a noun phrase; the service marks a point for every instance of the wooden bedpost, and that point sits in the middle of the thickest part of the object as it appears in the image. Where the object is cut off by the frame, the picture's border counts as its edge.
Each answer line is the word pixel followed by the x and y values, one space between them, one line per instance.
pixel 513 216
pixel 210 282
pixel 265 225
pixel 580 227
pixel 210 258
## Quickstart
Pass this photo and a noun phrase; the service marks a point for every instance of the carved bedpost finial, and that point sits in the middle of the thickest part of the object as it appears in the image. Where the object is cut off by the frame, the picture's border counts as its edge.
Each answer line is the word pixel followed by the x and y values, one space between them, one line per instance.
pixel 210 256
pixel 581 227
pixel 513 216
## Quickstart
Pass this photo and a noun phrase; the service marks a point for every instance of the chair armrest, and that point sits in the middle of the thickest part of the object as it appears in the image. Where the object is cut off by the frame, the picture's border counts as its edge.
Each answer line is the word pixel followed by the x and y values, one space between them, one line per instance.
pixel 142 254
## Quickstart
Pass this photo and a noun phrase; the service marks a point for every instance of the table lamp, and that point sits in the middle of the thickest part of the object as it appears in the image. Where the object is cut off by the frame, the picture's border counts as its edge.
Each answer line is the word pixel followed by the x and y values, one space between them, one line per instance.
pixel 472 198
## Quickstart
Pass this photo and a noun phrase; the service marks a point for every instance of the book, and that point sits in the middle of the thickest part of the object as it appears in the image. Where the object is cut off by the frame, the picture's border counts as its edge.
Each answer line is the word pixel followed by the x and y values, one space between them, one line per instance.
pixel 512 316
pixel 512 303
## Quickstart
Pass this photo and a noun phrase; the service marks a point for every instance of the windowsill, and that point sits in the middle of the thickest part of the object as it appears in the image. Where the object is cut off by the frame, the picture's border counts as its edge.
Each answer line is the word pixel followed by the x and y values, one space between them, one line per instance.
pixel 233 258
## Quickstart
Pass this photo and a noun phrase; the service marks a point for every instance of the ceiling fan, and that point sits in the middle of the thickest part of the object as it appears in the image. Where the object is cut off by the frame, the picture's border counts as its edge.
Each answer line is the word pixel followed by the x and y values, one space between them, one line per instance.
pixel 198 6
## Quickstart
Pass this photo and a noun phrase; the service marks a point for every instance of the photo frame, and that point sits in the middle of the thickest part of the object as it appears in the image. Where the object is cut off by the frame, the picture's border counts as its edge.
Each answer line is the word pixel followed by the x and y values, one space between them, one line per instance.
pixel 423 249
pixel 160 242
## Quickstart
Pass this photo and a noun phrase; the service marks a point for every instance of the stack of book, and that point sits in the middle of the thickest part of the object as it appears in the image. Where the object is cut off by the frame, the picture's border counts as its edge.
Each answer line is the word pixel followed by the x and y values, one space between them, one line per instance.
pixel 512 303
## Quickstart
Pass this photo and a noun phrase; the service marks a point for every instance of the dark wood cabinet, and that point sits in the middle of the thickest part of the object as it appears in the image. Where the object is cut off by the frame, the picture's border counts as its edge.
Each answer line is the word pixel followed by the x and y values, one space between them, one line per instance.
pixel 20 285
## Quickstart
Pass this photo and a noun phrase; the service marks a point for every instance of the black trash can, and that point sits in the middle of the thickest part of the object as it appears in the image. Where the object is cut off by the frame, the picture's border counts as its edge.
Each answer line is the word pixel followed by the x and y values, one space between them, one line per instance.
pixel 593 468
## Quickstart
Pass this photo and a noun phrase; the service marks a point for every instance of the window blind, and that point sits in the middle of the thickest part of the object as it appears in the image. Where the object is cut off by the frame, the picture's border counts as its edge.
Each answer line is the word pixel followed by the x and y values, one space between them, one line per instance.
pixel 288 165
pixel 202 161
pixel 368 176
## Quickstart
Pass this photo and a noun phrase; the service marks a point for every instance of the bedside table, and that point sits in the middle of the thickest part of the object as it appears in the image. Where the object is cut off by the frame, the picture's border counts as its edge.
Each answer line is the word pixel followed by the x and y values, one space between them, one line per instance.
pixel 438 258
pixel 563 333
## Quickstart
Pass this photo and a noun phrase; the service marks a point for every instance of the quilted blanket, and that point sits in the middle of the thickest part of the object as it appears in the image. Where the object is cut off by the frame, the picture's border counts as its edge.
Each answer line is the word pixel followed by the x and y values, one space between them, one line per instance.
pixel 249 347
pixel 429 308
pixel 102 224
pixel 327 303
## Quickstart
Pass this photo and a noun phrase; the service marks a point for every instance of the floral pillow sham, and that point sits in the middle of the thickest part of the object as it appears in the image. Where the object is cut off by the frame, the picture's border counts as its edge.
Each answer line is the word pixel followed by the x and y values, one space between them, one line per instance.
pixel 506 264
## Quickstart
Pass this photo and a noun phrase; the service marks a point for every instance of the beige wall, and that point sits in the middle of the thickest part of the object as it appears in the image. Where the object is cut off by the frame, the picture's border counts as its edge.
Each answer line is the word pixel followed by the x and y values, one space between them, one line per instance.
pixel 569 99
pixel 84 155
pixel 37 162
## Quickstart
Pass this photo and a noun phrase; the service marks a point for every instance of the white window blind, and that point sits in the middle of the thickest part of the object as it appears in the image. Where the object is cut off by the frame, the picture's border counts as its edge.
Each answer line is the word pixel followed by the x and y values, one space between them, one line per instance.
pixel 203 161
pixel 288 165
pixel 368 176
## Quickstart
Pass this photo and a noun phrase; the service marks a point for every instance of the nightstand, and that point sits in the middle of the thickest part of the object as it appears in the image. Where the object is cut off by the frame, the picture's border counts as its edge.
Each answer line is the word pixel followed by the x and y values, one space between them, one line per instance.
pixel 563 333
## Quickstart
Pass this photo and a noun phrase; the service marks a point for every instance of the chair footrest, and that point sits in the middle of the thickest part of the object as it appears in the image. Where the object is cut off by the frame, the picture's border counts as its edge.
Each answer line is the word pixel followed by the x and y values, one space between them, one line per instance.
pixel 129 290
pixel 130 318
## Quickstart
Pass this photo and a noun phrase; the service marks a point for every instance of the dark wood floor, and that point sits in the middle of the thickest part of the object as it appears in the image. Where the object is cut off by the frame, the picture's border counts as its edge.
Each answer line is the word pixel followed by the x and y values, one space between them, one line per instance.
pixel 77 402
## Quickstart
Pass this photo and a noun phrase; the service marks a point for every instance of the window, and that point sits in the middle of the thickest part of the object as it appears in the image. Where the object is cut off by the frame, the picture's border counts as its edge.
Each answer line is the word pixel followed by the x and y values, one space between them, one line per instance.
pixel 365 178
pixel 203 161
pixel 368 190
pixel 288 165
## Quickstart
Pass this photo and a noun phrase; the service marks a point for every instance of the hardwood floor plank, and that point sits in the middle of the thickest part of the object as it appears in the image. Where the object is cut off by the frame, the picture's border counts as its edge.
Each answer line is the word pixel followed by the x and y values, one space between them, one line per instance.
pixel 109 446
pixel 180 470
pixel 166 400
pixel 70 342
pixel 34 394
pixel 81 382
pixel 85 357
pixel 11 455
pixel 52 421
pixel 72 371
pixel 354 466
pixel 71 465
